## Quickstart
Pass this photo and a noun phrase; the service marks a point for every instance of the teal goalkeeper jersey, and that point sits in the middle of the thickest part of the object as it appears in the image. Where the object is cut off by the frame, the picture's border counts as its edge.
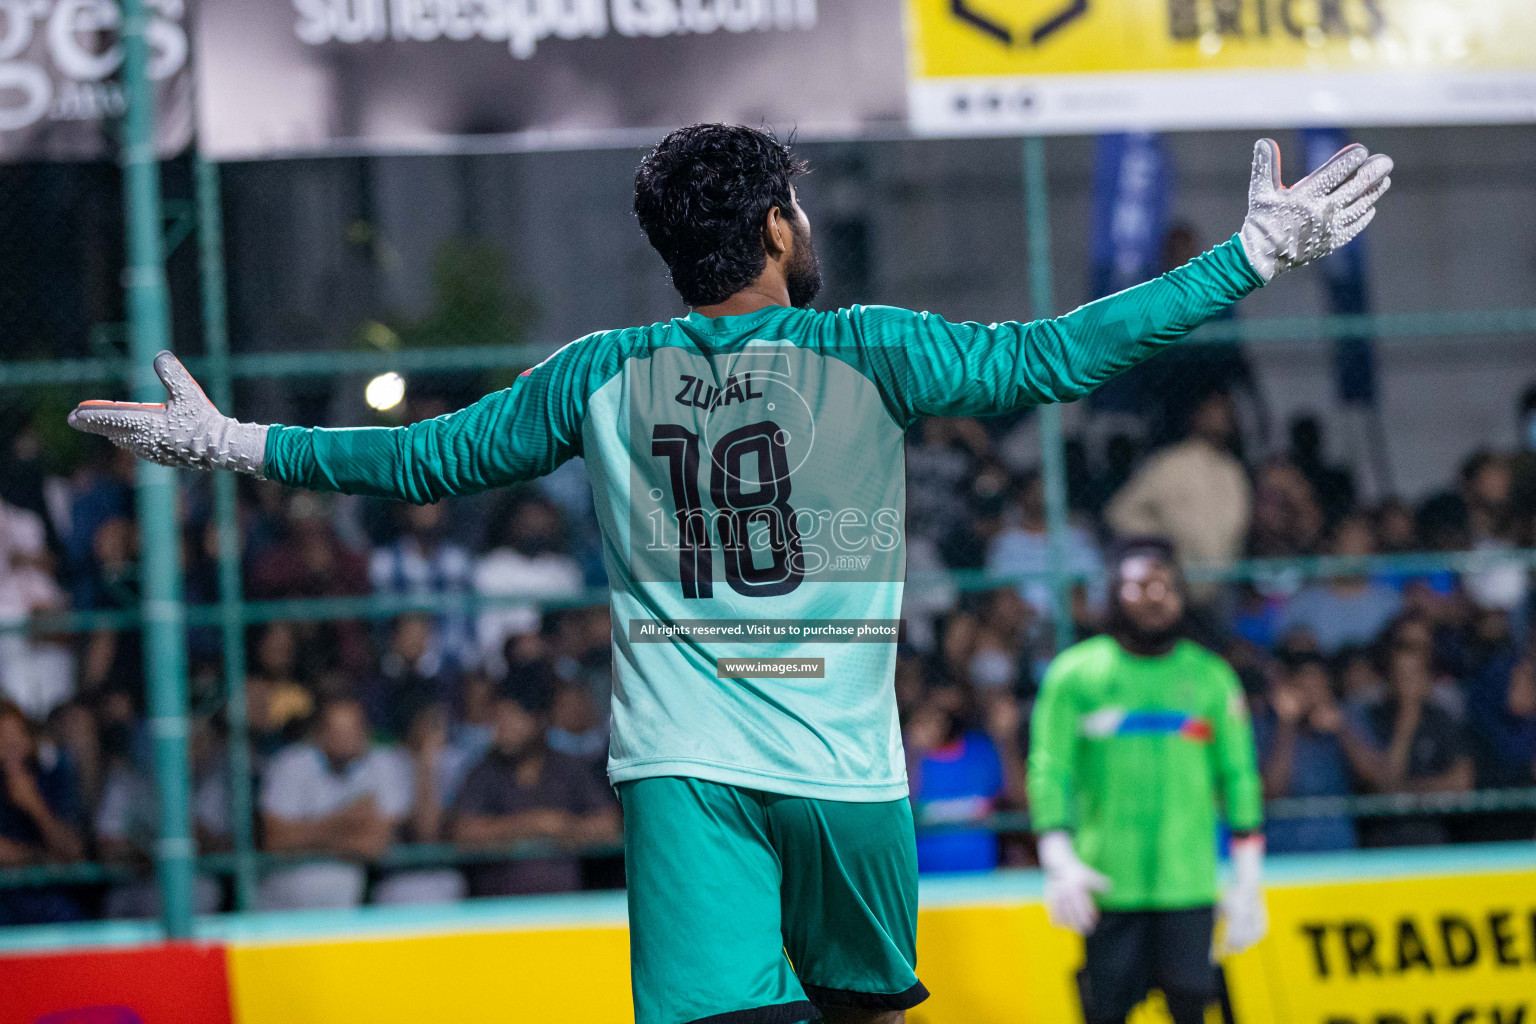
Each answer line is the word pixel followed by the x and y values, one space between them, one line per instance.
pixel 749 481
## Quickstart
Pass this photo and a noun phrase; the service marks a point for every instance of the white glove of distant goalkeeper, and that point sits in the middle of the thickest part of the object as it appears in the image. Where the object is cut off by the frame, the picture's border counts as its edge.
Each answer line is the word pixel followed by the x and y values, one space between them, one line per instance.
pixel 1069 885
pixel 186 431
pixel 1242 908
pixel 1287 227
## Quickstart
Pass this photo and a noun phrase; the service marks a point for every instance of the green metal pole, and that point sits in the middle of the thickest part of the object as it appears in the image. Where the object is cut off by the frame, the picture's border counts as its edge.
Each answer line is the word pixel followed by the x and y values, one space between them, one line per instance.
pixel 1053 460
pixel 210 246
pixel 164 617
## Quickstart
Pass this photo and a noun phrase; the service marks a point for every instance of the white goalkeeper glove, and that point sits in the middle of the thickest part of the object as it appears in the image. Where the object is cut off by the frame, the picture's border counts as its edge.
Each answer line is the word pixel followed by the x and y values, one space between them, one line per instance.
pixel 1287 227
pixel 186 431
pixel 1069 885
pixel 1242 908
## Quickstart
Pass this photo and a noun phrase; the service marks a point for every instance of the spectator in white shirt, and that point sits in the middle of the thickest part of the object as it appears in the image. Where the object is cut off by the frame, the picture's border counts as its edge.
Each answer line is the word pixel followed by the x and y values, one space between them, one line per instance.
pixel 1195 493
pixel 1487 488
pixel 36 673
pixel 339 798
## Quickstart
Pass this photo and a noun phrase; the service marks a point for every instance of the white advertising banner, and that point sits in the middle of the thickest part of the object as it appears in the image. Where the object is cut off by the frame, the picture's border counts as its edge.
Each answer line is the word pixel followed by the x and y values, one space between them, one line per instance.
pixel 60 88
pixel 303 76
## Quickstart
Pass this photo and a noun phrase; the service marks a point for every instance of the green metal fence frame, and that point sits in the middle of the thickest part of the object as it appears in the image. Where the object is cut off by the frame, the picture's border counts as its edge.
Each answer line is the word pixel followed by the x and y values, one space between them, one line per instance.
pixel 1395 329
pixel 164 617
pixel 162 609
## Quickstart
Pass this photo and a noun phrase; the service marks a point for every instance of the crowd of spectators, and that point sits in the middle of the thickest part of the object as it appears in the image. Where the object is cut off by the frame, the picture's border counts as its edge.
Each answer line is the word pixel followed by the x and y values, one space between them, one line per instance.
pixel 485 726
pixel 1389 681
pixel 481 728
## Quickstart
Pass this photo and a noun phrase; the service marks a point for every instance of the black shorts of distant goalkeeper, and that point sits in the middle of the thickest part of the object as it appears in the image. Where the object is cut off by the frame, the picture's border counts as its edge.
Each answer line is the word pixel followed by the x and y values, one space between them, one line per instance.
pixel 1131 953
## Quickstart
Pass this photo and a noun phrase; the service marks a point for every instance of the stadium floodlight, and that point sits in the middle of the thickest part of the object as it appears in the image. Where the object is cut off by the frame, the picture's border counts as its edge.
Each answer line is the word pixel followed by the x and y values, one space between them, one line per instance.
pixel 385 391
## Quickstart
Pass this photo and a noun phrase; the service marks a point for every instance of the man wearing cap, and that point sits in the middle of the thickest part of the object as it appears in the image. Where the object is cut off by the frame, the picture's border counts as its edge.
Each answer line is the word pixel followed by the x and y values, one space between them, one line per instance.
pixel 1139 740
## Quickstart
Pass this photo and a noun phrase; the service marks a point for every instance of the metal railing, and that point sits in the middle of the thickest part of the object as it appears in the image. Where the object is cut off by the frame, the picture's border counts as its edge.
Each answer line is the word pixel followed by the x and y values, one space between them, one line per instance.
pixel 1305 330
pixel 386 606
pixel 244 864
pixel 404 856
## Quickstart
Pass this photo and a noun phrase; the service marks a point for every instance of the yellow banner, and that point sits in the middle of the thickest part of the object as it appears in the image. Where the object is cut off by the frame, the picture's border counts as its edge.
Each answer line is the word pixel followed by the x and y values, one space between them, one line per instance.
pixel 1034 37
pixel 1293 60
pixel 1454 949
pixel 570 975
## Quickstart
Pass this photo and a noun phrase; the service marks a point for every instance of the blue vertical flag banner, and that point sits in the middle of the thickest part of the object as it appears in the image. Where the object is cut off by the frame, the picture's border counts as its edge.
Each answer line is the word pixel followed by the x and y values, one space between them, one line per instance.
pixel 1343 275
pixel 1132 179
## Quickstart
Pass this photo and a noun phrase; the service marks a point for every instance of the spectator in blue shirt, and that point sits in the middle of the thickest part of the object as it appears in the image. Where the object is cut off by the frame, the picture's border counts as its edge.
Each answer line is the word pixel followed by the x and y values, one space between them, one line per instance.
pixel 1501 716
pixel 1306 747
pixel 1345 610
pixel 423 562
pixel 1023 545
pixel 957 778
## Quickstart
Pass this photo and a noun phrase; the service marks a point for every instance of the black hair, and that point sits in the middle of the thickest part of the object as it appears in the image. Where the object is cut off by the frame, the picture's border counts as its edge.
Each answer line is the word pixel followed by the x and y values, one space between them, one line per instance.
pixel 1349 654
pixel 1476 463
pixel 702 196
pixel 1390 640
pixel 1294 661
pixel 10 709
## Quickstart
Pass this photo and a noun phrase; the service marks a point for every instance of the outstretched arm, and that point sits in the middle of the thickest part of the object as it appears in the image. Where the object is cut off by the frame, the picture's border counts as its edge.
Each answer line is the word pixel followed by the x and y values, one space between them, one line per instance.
pixel 516 434
pixel 504 438
pixel 936 368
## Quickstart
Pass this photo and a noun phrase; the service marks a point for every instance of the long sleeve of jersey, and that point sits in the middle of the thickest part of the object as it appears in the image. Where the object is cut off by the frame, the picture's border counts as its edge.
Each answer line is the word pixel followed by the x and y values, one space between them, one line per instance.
pixel 923 365
pixel 1236 768
pixel 929 366
pixel 1053 732
pixel 515 434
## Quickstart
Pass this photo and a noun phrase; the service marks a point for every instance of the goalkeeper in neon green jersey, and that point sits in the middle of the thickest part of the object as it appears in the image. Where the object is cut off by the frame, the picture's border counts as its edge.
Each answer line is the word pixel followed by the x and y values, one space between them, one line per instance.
pixel 1139 739
pixel 747 467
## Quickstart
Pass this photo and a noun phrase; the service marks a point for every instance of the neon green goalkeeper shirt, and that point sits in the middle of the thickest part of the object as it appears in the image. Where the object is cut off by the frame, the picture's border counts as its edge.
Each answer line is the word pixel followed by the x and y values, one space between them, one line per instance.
pixel 1136 755
pixel 748 472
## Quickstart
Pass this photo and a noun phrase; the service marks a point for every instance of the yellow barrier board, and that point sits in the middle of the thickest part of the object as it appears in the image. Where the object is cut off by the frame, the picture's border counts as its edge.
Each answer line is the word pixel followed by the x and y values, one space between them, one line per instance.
pixel 997 65
pixel 1453 949
pixel 575 975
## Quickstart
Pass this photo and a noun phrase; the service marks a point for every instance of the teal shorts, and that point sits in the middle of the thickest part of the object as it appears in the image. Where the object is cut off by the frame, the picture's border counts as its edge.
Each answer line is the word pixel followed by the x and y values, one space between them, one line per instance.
pixel 755 908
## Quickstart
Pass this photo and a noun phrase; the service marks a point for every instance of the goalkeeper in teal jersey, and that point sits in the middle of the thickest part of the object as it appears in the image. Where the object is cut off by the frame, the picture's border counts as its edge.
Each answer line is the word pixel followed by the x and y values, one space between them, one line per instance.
pixel 746 461
pixel 1139 739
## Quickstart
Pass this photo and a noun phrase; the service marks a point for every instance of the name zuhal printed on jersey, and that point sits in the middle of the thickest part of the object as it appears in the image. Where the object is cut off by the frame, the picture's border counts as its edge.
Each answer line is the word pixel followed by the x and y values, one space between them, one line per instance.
pixel 698 394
